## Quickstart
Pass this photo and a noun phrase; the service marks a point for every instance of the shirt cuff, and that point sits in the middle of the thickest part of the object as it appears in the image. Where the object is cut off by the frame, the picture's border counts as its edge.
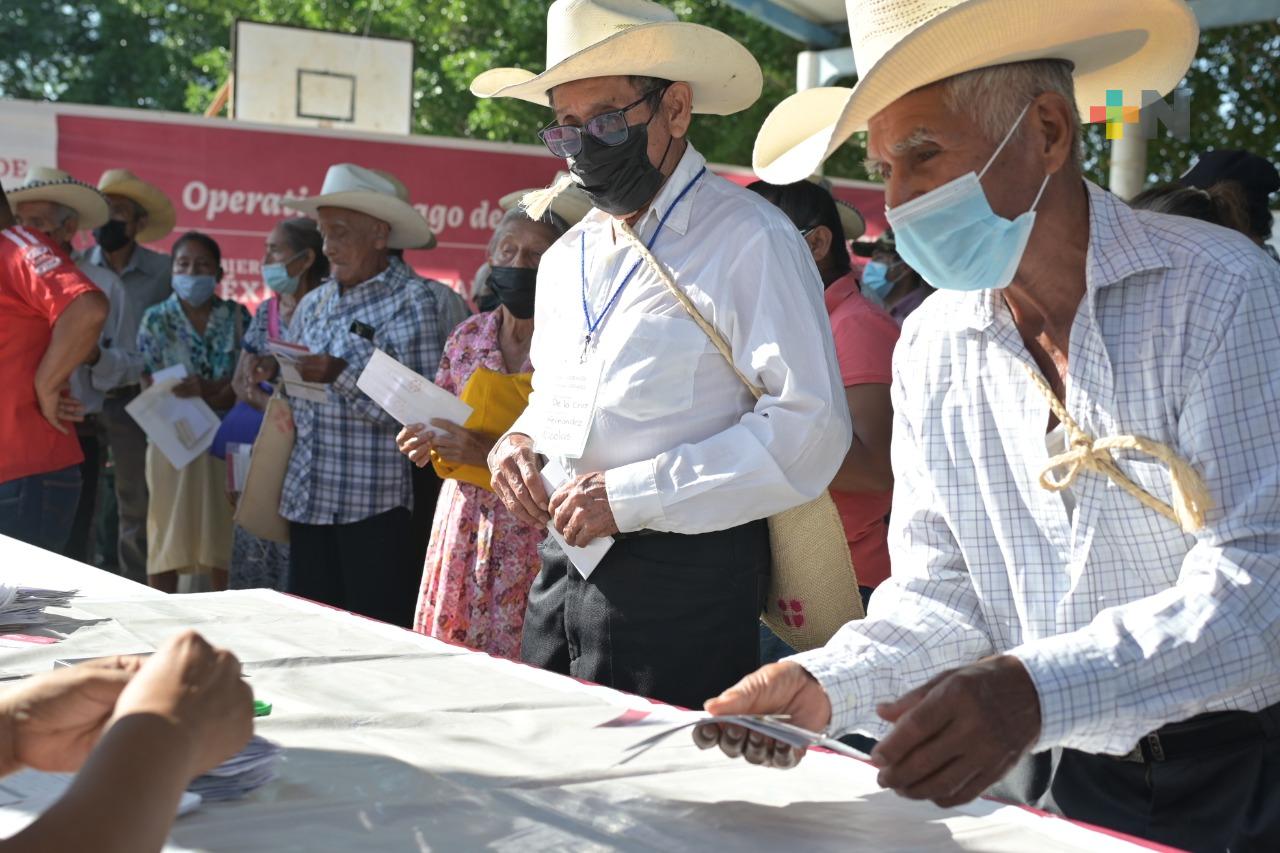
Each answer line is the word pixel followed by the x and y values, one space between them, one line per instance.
pixel 1077 698
pixel 832 670
pixel 633 495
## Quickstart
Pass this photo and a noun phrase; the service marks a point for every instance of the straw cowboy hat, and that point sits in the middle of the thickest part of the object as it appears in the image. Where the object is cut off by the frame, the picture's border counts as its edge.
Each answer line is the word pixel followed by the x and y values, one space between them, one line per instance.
pixel 402 193
pixel 605 38
pixel 850 217
pixel 570 205
pixel 160 214
pixel 902 45
pixel 353 187
pixel 45 183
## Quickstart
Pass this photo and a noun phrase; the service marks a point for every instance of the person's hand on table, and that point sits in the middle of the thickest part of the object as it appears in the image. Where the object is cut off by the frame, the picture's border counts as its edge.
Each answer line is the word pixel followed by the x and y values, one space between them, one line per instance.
pixel 322 368
pixel 959 733
pixel 58 407
pixel 580 510
pixel 517 479
pixel 56 718
pixel 197 690
pixel 778 688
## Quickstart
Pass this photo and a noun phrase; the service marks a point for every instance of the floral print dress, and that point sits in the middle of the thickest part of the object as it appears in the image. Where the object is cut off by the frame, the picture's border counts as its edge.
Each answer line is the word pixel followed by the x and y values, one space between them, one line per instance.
pixel 482 559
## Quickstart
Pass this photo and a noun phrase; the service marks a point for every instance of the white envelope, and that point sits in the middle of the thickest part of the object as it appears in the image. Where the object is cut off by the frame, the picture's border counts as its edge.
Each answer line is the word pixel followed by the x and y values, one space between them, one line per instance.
pixel 584 559
pixel 407 396
pixel 182 428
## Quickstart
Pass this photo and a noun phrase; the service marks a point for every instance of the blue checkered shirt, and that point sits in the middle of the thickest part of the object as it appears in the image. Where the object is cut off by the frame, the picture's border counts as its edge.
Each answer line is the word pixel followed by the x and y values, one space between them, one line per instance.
pixel 1124 622
pixel 345 466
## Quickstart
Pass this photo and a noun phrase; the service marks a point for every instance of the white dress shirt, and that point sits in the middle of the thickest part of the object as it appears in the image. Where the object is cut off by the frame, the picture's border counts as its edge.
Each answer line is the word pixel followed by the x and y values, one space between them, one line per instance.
pixel 684 446
pixel 1124 622
pixel 90 385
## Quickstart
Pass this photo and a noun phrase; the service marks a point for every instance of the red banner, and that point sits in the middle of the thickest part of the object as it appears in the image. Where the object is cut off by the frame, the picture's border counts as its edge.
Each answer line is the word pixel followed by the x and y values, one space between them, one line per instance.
pixel 230 180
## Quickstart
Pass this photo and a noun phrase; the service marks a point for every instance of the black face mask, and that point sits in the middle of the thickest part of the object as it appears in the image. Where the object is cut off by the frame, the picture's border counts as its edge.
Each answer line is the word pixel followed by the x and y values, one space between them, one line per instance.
pixel 514 287
pixel 619 178
pixel 112 236
pixel 488 301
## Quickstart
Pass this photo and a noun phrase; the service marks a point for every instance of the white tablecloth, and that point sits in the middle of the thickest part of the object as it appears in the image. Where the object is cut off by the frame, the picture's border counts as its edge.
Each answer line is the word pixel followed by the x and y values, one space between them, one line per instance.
pixel 398 742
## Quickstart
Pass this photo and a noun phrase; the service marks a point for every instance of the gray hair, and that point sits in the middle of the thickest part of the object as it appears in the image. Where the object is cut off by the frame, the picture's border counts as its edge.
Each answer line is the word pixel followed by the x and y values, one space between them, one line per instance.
pixel 993 97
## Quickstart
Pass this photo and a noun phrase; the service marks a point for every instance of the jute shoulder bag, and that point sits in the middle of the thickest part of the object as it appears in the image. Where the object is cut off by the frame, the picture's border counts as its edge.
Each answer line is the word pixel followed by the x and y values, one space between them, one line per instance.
pixel 813 590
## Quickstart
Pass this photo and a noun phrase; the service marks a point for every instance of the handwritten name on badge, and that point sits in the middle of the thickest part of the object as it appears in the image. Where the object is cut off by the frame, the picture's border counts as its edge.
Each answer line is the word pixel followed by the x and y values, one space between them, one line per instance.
pixel 568 406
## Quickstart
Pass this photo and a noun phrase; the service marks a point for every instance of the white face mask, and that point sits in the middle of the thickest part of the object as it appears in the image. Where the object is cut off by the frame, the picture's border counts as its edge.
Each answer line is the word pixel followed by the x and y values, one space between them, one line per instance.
pixel 953 238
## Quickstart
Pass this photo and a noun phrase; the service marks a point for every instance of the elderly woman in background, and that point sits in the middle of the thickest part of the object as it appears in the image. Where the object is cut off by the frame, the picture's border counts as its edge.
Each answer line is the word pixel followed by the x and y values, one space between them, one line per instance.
pixel 292 265
pixel 188 519
pixel 888 280
pixel 482 559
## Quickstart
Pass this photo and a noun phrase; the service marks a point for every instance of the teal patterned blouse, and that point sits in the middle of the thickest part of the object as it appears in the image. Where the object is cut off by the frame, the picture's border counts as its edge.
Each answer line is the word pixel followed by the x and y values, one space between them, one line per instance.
pixel 167 338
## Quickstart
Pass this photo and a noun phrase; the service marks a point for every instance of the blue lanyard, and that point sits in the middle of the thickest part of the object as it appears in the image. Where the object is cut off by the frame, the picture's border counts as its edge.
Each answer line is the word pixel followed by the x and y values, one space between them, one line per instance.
pixel 592 325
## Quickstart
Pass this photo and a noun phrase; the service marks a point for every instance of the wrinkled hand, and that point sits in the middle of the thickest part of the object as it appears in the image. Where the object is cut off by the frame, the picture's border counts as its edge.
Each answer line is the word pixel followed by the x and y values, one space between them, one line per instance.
pixel 517 480
pixel 58 406
pixel 197 689
pixel 320 368
pixel 190 386
pixel 58 717
pixel 580 510
pixel 452 442
pixel 779 688
pixel 959 733
pixel 262 368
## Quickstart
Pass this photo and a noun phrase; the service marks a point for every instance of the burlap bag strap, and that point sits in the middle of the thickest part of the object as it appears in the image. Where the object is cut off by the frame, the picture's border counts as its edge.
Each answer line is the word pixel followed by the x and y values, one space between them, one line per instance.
pixel 1191 500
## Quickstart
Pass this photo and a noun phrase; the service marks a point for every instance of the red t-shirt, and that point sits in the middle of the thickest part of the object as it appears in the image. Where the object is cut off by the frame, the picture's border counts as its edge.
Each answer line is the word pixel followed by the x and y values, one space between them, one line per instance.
pixel 37 283
pixel 865 336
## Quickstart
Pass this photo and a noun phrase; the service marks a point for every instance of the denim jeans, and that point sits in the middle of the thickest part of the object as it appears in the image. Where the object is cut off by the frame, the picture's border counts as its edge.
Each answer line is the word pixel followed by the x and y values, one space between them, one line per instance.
pixel 39 509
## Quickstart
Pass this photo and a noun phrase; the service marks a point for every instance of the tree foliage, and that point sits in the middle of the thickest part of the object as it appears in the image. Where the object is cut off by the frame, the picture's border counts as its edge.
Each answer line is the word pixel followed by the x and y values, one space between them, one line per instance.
pixel 170 55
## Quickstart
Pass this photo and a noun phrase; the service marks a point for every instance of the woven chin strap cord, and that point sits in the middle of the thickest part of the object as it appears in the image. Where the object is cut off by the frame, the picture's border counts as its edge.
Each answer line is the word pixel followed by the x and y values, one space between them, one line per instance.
pixel 1191 499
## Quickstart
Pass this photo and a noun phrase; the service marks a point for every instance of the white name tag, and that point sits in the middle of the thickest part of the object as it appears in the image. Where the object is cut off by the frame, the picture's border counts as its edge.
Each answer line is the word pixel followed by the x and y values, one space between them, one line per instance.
pixel 568 405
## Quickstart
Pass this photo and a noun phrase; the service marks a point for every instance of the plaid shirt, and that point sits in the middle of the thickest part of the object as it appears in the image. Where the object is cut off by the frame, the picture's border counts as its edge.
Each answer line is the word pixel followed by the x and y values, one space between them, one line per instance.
pixel 1124 622
pixel 345 466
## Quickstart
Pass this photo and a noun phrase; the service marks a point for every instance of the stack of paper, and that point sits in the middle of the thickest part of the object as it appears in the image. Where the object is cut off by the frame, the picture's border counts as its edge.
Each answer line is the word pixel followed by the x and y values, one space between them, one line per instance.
pixel 24 606
pixel 287 356
pixel 243 773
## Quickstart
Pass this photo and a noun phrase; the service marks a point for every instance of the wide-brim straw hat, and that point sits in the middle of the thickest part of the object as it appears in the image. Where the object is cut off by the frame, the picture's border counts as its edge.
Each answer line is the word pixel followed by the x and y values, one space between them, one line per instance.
pixel 571 204
pixel 607 38
pixel 353 187
pixel 903 45
pixel 161 217
pixel 402 192
pixel 45 183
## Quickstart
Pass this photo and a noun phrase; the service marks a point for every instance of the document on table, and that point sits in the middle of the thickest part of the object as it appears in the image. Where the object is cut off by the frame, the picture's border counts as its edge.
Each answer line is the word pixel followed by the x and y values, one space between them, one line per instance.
pixel 287 356
pixel 407 396
pixel 772 726
pixel 586 558
pixel 181 427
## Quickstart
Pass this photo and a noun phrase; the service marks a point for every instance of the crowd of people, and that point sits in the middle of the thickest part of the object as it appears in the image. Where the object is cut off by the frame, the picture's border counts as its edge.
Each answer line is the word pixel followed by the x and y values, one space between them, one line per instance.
pixel 1046 417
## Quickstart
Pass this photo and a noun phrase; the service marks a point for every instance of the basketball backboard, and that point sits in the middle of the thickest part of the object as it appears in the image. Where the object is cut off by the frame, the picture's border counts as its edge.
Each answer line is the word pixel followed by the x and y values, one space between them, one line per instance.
pixel 315 78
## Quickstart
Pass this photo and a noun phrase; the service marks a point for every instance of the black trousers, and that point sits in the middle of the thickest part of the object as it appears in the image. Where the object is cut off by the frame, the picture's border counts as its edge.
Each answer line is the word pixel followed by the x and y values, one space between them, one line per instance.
pixel 1216 789
pixel 81 542
pixel 666 616
pixel 365 567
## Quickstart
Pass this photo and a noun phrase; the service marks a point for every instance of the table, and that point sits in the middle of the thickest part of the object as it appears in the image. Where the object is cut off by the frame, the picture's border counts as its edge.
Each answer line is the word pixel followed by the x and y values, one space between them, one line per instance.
pixel 396 741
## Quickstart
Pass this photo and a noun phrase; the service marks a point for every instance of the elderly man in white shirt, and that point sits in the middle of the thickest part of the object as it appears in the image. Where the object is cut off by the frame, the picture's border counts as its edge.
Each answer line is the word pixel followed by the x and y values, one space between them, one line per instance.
pixel 52 201
pixel 1120 610
pixel 665 448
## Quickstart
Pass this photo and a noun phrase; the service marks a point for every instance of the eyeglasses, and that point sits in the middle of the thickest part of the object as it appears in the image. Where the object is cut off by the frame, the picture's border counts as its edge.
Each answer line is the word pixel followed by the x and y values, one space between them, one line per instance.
pixel 611 128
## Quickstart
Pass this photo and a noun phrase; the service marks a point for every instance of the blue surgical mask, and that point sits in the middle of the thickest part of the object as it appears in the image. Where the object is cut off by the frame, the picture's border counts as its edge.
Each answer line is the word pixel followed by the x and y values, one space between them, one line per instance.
pixel 194 290
pixel 875 279
pixel 953 238
pixel 277 278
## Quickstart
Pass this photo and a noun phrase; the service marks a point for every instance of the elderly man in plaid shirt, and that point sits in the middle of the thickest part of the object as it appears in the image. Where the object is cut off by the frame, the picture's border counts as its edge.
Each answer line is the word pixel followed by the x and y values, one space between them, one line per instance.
pixel 1086 521
pixel 348 490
